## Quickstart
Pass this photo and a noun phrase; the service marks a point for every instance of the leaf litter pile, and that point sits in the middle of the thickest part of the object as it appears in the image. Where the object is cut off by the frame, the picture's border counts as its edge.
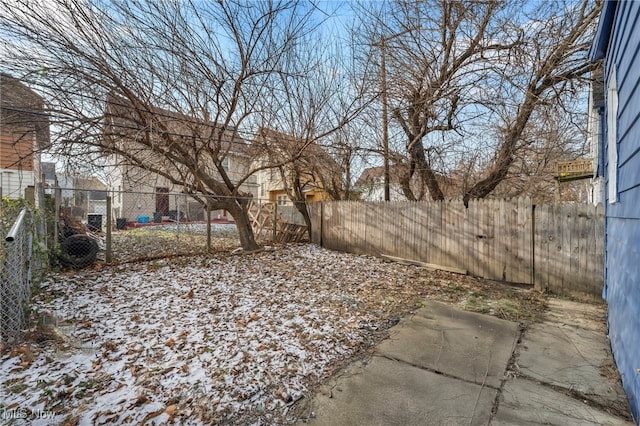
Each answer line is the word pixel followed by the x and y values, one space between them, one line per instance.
pixel 231 339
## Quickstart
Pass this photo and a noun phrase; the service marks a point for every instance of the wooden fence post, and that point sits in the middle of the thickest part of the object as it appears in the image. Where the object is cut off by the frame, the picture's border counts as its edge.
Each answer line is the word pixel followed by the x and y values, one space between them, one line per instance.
pixel 275 222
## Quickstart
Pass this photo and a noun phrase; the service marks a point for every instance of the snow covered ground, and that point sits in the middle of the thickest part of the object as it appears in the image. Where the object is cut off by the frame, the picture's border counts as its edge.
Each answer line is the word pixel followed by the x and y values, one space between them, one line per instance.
pixel 200 340
pixel 171 239
pixel 222 339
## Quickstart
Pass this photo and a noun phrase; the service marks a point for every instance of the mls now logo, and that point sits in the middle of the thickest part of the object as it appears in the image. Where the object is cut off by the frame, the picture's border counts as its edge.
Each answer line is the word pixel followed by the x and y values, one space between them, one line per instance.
pixel 23 413
pixel 14 413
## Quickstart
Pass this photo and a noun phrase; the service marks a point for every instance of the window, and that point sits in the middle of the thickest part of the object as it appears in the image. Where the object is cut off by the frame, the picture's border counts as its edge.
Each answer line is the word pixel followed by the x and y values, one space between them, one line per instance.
pixel 283 200
pixel 98 195
pixel 612 137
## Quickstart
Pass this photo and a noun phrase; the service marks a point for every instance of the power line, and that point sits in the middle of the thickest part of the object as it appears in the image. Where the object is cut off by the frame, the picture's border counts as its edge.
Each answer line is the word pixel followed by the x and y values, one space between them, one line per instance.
pixel 163 114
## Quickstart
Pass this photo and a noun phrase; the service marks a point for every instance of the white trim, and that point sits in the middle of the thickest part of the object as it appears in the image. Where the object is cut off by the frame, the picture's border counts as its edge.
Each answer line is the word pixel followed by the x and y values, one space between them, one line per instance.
pixel 612 137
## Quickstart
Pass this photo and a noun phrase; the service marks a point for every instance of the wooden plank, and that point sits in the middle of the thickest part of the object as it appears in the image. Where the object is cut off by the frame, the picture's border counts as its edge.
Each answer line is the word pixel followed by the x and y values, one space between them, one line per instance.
pixel 423 221
pixel 376 215
pixel 413 229
pixel 456 249
pixel 556 255
pixel 402 229
pixel 482 238
pixel 503 242
pixel 467 241
pixel 431 266
pixel 527 250
pixel 426 232
pixel 563 267
pixel 545 224
pixel 493 240
pixel 409 229
pixel 540 245
pixel 475 231
pixel 512 246
pixel 396 227
pixel 346 237
pixel 332 226
pixel 586 215
pixel 444 233
pixel 447 232
pixel 495 235
pixel 551 238
pixel 574 229
pixel 436 236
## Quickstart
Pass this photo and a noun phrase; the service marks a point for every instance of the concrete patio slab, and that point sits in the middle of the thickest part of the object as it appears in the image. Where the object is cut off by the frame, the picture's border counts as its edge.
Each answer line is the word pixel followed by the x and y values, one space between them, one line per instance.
pixel 445 366
pixel 524 402
pixel 573 358
pixel 387 392
pixel 466 345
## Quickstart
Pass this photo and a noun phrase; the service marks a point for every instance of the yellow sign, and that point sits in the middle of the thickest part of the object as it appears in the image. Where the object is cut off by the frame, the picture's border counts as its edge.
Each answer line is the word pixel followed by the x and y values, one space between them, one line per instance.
pixel 575 169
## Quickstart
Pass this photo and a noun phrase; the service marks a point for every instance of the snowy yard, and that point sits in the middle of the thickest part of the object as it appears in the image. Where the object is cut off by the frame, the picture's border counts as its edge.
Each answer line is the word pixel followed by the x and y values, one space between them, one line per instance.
pixel 201 340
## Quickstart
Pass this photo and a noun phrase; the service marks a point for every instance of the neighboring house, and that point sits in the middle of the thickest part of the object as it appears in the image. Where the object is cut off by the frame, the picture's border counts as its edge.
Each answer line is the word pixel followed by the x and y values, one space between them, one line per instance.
pixel 89 195
pixel 370 184
pixel 81 196
pixel 48 171
pixel 139 192
pixel 617 42
pixel 316 171
pixel 24 133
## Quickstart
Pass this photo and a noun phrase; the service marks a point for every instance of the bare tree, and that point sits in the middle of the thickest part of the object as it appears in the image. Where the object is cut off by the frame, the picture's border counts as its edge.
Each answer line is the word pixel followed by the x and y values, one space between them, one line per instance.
pixel 547 67
pixel 205 65
pixel 469 76
pixel 307 136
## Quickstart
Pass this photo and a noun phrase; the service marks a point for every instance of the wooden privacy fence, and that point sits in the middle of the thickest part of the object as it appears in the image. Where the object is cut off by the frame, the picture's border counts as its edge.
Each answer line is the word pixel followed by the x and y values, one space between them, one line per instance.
pixel 559 247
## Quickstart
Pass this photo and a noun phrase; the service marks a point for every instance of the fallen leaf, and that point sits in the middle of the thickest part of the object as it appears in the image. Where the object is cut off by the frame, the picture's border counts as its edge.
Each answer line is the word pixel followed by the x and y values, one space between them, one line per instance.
pixel 170 342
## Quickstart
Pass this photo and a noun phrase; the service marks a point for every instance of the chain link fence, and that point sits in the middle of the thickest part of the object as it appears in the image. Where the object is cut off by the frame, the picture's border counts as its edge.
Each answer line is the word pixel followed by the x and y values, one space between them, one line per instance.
pixel 23 262
pixel 93 226
pixel 122 227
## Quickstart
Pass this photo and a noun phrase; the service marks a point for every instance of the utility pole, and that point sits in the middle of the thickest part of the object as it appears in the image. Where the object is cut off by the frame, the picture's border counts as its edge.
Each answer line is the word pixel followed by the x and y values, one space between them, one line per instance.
pixel 385 118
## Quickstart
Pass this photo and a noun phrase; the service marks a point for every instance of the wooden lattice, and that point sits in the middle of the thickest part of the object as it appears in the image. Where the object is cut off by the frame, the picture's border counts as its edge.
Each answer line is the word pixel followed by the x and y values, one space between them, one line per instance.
pixel 262 220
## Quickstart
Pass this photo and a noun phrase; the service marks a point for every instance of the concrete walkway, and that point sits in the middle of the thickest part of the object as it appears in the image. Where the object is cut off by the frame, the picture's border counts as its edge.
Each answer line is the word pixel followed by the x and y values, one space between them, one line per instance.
pixel 445 366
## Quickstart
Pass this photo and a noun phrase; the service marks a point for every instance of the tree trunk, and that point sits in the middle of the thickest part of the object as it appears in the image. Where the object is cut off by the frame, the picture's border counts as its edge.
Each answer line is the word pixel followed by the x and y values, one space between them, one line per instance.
pixel 240 213
pixel 425 172
pixel 301 206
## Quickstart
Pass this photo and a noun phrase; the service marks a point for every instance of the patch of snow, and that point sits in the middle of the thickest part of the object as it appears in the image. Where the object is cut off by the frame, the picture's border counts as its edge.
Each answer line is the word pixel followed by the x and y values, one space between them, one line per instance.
pixel 203 340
